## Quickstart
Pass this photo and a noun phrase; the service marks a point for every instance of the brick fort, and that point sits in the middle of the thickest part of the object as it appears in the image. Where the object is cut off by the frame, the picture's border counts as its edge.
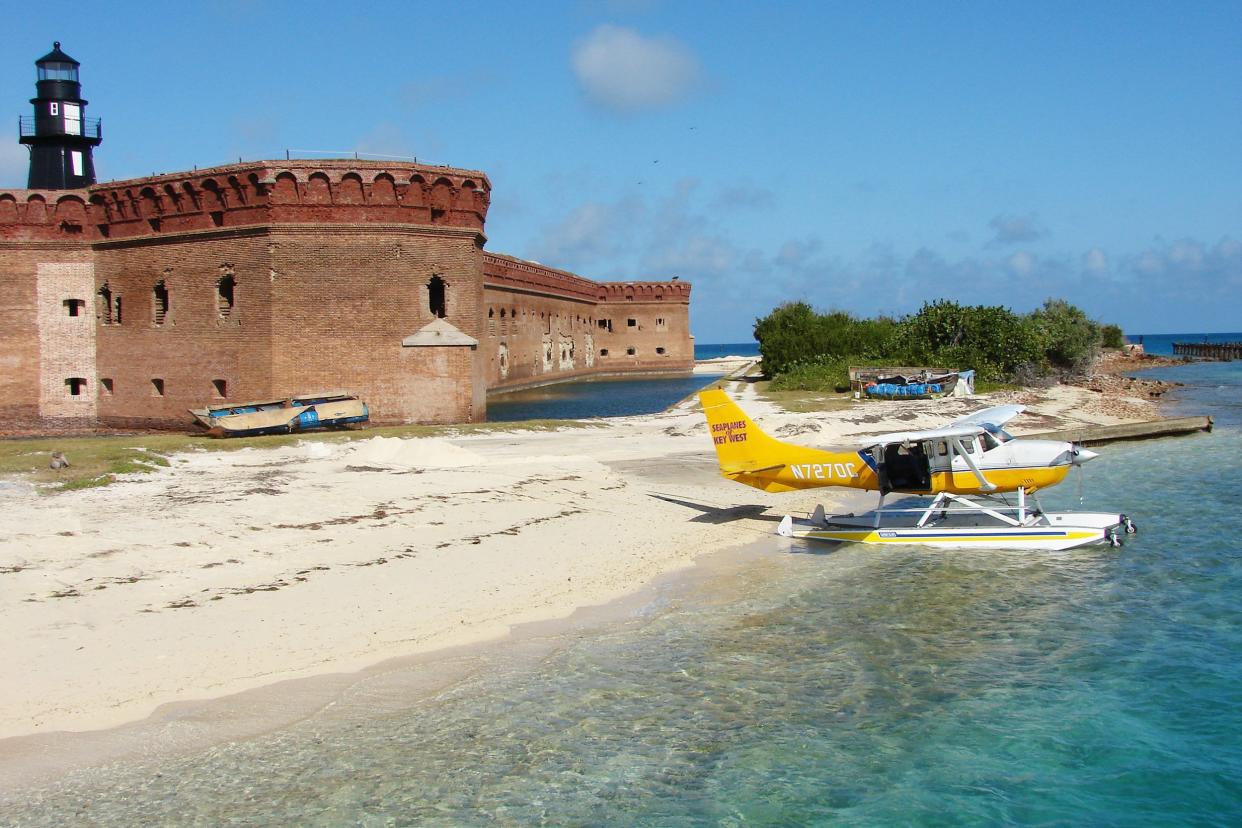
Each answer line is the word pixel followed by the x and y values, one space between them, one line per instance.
pixel 129 302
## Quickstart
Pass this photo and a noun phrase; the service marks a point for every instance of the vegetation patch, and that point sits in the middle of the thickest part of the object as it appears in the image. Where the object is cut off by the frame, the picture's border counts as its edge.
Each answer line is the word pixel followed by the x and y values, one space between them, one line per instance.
pixel 100 460
pixel 804 350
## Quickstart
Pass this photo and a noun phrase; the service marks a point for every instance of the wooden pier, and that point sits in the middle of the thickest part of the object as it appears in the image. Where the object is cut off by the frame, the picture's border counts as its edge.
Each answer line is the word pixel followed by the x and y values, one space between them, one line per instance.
pixel 1209 350
pixel 1094 435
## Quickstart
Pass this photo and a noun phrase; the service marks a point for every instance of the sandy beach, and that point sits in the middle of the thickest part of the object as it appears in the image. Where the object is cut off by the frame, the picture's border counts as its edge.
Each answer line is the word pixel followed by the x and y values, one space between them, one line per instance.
pixel 234 570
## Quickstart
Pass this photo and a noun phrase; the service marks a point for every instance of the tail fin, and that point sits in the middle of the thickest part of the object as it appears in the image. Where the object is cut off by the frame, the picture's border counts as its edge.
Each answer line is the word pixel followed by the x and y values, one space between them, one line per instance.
pixel 741 447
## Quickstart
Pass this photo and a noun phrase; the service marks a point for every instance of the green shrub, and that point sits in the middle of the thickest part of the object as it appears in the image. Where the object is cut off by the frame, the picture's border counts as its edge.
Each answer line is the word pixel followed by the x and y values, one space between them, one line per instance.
pixel 1071 341
pixel 1112 337
pixel 806 350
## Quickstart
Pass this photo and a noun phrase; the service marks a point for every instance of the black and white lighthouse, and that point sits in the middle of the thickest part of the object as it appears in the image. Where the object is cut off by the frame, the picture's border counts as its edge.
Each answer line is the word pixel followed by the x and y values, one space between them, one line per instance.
pixel 60 136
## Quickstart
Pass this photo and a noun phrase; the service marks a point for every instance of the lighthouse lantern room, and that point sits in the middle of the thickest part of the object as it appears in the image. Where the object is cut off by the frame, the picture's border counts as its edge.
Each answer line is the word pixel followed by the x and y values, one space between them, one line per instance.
pixel 59 134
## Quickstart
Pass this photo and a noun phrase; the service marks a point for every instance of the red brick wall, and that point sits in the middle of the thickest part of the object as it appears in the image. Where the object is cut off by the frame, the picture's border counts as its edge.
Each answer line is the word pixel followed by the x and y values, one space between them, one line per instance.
pixel 531 306
pixel 39 227
pixel 195 343
pixel 346 296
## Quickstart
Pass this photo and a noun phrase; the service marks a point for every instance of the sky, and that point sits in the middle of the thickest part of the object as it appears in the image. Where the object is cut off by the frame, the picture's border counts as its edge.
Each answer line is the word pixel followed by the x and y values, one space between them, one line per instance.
pixel 867 157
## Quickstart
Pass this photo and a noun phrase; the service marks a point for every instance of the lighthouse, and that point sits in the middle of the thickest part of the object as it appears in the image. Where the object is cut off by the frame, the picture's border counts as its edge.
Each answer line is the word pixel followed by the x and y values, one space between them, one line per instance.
pixel 59 135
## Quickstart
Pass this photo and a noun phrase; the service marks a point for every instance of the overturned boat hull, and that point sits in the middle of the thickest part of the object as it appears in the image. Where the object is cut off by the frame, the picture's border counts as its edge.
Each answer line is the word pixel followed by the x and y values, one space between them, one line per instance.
pixel 304 413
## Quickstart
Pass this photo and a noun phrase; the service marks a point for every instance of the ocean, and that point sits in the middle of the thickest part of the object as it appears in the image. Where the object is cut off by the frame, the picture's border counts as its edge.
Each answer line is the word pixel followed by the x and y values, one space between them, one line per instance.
pixel 803 685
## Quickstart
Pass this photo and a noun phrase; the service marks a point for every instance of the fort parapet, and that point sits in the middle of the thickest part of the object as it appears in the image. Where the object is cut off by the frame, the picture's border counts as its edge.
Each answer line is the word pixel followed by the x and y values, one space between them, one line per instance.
pixel 129 302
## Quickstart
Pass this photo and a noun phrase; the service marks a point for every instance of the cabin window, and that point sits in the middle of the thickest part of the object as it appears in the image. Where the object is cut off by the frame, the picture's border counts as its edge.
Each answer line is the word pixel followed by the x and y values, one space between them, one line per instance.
pixel 226 294
pixel 660 351
pixel 76 386
pixel 969 445
pixel 942 448
pixel 631 351
pixel 220 387
pixel 631 323
pixel 436 301
pixel 74 307
pixel 159 302
pixel 157 388
pixel 105 387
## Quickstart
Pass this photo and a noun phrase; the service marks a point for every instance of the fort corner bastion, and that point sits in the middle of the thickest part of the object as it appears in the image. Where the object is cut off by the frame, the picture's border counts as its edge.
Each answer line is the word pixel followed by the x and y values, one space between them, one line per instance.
pixel 126 303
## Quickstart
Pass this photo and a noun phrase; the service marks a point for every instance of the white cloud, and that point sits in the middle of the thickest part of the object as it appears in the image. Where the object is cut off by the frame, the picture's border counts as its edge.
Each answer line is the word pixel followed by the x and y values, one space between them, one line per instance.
pixel 1095 262
pixel 1021 263
pixel 622 70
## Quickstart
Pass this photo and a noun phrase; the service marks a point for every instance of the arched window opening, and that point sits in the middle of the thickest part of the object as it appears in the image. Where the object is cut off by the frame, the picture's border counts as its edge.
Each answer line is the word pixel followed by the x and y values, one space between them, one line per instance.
pixel 159 300
pixel 104 303
pixel 226 294
pixel 436 300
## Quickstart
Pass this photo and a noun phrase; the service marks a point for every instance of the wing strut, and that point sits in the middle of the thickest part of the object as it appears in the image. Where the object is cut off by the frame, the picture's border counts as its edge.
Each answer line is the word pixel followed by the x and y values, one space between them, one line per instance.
pixel 984 483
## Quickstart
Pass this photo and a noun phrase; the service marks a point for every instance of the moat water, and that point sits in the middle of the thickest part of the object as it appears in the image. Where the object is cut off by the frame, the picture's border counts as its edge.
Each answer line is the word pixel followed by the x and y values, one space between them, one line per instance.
pixel 609 396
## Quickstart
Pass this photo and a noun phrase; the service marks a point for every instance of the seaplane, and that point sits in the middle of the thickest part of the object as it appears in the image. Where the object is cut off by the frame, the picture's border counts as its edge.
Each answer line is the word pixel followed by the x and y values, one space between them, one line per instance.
pixel 967 484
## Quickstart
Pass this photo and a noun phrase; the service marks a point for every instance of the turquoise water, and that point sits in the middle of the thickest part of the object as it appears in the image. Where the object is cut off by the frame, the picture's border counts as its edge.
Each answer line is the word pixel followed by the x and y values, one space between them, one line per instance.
pixel 722 349
pixel 1163 343
pixel 894 686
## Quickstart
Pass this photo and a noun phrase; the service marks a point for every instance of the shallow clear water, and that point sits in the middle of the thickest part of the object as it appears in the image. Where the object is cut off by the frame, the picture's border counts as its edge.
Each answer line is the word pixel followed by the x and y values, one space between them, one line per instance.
pixel 889 686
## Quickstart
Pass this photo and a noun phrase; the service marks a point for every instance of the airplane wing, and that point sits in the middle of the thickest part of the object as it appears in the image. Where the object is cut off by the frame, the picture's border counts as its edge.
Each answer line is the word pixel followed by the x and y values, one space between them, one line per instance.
pixel 944 433
pixel 996 416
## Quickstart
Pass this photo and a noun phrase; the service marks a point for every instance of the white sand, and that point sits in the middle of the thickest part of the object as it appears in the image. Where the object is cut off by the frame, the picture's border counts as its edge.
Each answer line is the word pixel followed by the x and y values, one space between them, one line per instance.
pixel 232 570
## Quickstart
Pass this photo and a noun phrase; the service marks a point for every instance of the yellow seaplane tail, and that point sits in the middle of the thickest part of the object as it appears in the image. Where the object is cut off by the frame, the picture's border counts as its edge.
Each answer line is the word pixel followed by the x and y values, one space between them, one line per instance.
pixel 748 455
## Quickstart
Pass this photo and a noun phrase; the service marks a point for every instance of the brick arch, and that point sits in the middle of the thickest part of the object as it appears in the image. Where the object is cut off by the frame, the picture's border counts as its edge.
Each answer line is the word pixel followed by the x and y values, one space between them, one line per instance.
pixel 8 209
pixel 173 198
pixel 349 191
pixel 318 189
pixel 441 200
pixel 239 191
pixel 191 194
pixel 150 203
pixel 256 185
pixel 121 204
pixel 71 209
pixel 383 189
pixel 101 212
pixel 286 189
pixel 36 210
pixel 213 198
